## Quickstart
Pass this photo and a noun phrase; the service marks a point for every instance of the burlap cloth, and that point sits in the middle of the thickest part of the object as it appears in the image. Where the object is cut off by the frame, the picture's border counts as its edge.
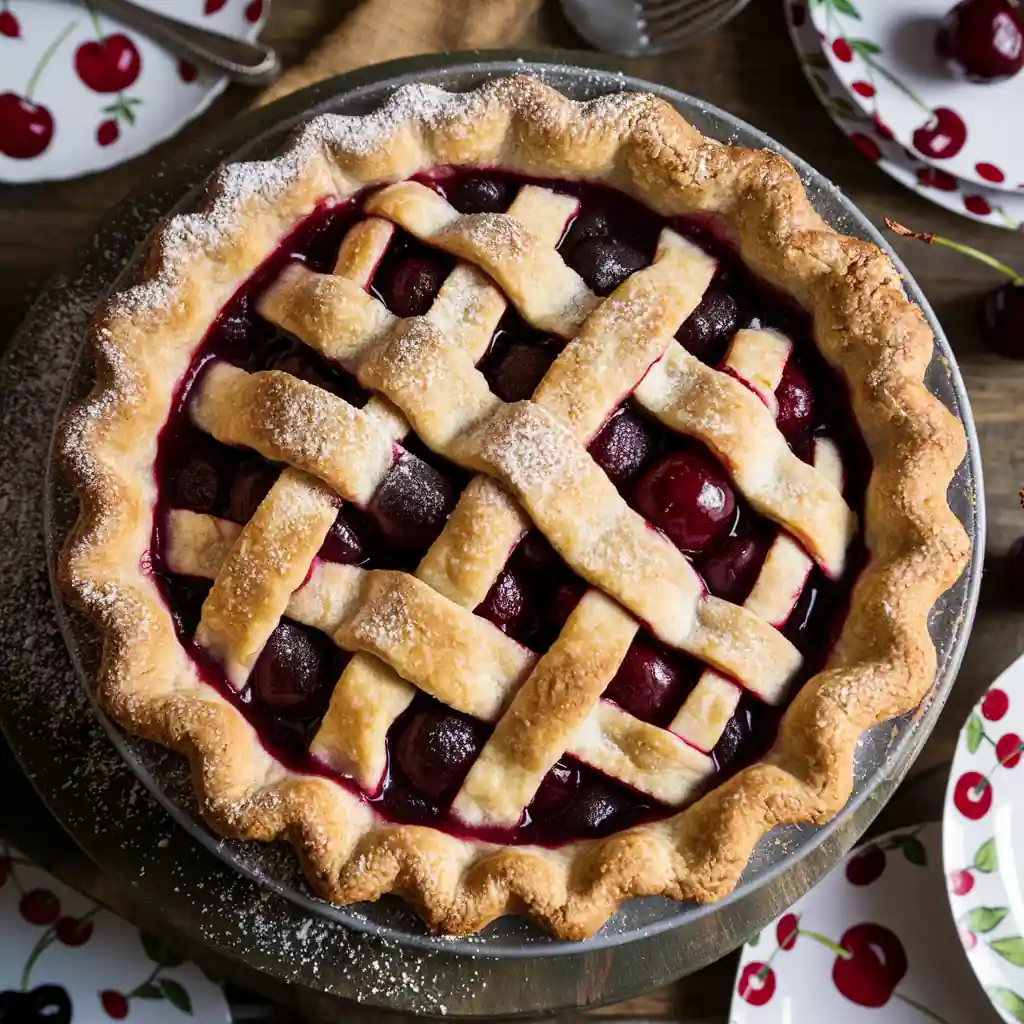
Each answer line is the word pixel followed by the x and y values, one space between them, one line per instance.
pixel 379 30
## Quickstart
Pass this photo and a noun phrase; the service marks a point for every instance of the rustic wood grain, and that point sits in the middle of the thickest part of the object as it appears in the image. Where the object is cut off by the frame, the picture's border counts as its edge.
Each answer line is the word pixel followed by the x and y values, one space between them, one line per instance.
pixel 748 68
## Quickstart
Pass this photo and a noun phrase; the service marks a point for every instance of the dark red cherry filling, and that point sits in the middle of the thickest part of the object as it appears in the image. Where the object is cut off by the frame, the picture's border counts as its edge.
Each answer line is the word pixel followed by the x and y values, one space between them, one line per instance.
pixel 675 483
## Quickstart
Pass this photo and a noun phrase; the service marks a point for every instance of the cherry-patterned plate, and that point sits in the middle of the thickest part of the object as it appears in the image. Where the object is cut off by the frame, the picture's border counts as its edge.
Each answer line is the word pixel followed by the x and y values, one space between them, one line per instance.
pixel 873 943
pixel 884 54
pixel 987 205
pixel 80 93
pixel 983 841
pixel 63 958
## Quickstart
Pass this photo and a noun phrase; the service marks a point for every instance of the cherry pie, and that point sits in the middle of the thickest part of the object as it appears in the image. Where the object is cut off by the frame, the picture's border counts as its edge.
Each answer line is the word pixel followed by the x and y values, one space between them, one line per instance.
pixel 468 491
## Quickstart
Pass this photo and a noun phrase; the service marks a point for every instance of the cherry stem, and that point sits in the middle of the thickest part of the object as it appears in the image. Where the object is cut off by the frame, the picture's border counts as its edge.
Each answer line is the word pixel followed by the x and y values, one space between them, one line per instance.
pixel 930 1014
pixel 142 984
pixel 979 788
pixel 95 22
pixel 966 250
pixel 46 58
pixel 840 951
pixel 44 940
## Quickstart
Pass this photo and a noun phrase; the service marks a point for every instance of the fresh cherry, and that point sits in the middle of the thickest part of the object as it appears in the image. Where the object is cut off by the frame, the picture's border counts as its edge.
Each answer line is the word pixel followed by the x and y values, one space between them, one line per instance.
pixel 687 495
pixel 709 327
pixel 45 1004
pixel 197 486
pixel 994 705
pixel 622 446
pixel 961 882
pixel 73 932
pixel 972 795
pixel 295 671
pixel 436 750
pixel 412 285
pixel 39 906
pixel 649 682
pixel 595 811
pixel 786 931
pixel 795 400
pixel 506 604
pixel 108 65
pixel 343 543
pixel 1008 750
pixel 1002 311
pixel 412 505
pixel 876 965
pixel 604 263
pixel 251 485
pixel 26 128
pixel 555 792
pixel 114 1003
pixel 564 601
pixel 477 193
pixel 942 136
pixel 982 40
pixel 757 983
pixel 731 572
pixel 866 866
pixel 519 370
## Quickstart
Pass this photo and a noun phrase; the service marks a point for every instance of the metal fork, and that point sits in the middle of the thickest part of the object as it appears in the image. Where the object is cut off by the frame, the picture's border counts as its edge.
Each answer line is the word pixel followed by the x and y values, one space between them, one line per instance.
pixel 633 28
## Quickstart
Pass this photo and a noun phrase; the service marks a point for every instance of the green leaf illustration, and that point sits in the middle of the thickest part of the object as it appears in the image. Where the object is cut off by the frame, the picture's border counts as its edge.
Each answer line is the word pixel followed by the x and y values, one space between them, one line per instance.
pixel 864 47
pixel 845 7
pixel 914 851
pixel 754 939
pixel 148 991
pixel 1012 1003
pixel 176 995
pixel 1011 948
pixel 985 860
pixel 984 919
pixel 159 952
pixel 843 107
pixel 975 733
pixel 817 60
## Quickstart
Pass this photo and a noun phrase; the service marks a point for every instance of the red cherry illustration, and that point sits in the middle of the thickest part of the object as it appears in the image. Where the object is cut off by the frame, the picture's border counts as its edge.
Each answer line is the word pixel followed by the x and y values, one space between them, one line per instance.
pixel 932 177
pixel 882 128
pixel 866 866
pixel 786 931
pixel 865 89
pixel 968 938
pixel 39 906
pixel 990 172
pixel 1008 750
pixel 187 72
pixel 108 133
pixel 114 1003
pixel 841 48
pixel 73 932
pixel 254 11
pixel 866 145
pixel 961 882
pixel 972 795
pixel 978 205
pixel 213 6
pixel 109 64
pixel 9 25
pixel 994 705
pixel 757 983
pixel 876 965
pixel 942 136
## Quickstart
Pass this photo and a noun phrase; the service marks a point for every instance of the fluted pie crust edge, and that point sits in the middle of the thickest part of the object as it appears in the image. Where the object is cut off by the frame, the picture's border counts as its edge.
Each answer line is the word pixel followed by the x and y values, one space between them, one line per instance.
pixel 882 666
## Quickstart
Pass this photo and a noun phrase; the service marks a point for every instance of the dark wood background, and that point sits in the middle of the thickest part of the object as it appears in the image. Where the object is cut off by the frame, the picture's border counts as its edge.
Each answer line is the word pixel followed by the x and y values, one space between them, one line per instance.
pixel 750 69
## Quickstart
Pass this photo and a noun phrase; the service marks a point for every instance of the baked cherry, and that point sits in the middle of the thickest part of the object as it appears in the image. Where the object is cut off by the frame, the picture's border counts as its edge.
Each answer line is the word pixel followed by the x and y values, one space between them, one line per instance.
pixel 604 263
pixel 411 286
pixel 731 572
pixel 436 750
pixel 707 330
pixel 556 790
pixel 863 868
pixel 295 671
pixel 39 906
pixel 746 736
pixel 960 882
pixel 343 543
pixel 26 128
pixel 251 485
pixel 595 810
pixel 519 369
pixel 536 553
pixel 795 401
pixel 687 495
pixel 478 193
pixel 110 64
pixel 1002 311
pixel 45 1004
pixel 306 366
pixel 942 136
pixel 876 964
pixel 408 806
pixel 114 1003
pixel 757 983
pixel 648 684
pixel 622 446
pixel 994 705
pixel 982 40
pixel 197 486
pixel 73 932
pixel 412 505
pixel 506 604
pixel 593 223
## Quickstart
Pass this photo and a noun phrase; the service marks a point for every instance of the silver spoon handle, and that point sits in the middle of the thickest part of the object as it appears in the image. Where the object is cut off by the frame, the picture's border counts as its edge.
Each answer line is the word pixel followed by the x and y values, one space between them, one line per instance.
pixel 250 63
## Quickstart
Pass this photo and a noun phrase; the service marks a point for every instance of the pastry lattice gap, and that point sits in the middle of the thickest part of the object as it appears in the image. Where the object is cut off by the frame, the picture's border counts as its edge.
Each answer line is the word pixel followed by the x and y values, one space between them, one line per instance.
pixel 420 541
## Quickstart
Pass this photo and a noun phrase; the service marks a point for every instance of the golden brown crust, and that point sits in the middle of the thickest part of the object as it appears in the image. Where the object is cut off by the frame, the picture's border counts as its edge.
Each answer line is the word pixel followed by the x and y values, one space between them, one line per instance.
pixel 882 666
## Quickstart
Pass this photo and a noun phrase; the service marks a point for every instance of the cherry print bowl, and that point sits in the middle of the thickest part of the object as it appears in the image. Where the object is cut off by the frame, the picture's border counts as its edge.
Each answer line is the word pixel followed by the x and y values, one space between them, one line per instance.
pixel 873 943
pixel 884 54
pixel 80 93
pixel 63 956
pixel 983 841
pixel 997 208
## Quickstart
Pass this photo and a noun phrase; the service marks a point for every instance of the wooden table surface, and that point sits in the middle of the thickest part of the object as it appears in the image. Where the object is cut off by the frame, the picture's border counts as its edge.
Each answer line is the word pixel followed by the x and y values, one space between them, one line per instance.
pixel 748 68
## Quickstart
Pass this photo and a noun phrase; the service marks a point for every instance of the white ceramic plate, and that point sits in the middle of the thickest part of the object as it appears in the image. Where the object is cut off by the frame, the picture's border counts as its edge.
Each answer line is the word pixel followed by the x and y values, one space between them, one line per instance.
pixel 873 943
pixel 987 205
pixel 983 841
pixel 884 54
pixel 81 93
pixel 62 957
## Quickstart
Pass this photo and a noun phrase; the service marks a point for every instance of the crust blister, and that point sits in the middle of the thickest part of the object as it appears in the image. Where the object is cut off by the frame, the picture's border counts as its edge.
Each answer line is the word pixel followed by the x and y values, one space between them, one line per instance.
pixel 864 325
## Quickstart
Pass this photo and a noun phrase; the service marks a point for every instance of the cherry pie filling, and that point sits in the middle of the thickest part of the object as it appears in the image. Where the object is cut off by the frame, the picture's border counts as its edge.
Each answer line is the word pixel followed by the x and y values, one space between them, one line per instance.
pixel 673 481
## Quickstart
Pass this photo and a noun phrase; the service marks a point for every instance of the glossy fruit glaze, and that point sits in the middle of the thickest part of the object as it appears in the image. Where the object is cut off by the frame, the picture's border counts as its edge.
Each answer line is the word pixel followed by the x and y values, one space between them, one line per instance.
pixel 674 482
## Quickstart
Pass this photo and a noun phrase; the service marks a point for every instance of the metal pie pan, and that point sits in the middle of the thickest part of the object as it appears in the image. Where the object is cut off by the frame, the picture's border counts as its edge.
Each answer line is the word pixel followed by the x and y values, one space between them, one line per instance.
pixel 650 940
